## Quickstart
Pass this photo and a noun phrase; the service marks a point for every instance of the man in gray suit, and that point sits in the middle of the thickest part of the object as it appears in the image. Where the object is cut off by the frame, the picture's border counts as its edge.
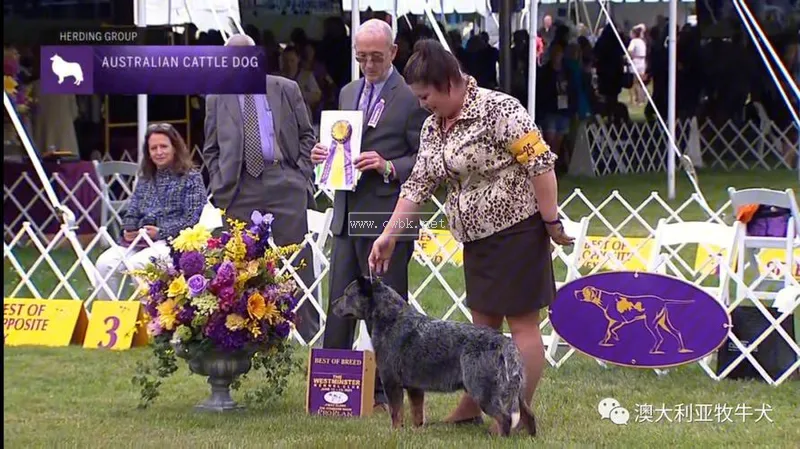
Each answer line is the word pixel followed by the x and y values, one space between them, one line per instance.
pixel 392 123
pixel 257 151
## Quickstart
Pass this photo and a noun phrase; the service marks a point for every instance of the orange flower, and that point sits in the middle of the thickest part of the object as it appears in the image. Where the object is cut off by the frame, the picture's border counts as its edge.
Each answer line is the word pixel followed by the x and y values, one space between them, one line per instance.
pixel 256 306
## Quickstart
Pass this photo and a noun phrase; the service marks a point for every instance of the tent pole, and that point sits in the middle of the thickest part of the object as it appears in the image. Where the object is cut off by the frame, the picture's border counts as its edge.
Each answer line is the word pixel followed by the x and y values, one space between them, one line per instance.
pixel 355 22
pixel 141 100
pixel 533 65
pixel 671 96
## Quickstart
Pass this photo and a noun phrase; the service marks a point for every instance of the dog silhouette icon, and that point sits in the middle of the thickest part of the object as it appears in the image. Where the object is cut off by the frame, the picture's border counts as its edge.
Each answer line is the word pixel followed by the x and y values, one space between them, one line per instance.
pixel 64 69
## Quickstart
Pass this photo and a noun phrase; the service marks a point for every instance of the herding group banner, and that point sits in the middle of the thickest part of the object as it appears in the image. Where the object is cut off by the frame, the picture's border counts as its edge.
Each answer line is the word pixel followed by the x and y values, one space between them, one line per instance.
pixel 153 70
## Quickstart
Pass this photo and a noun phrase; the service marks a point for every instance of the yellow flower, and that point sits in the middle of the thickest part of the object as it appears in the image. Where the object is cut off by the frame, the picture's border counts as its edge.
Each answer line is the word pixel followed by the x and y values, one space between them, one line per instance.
pixel 167 314
pixel 177 287
pixel 256 306
pixel 235 322
pixel 10 85
pixel 255 329
pixel 236 250
pixel 271 313
pixel 192 239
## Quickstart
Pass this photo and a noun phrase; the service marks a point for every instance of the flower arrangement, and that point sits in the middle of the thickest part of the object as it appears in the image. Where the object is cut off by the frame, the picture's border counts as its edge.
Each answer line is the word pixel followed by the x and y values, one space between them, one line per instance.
pixel 222 295
pixel 19 93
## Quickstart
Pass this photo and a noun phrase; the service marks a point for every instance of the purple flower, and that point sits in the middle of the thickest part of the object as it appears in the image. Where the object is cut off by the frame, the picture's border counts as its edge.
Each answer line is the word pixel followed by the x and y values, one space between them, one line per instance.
pixel 282 330
pixel 150 308
pixel 186 315
pixel 251 245
pixel 154 328
pixel 192 263
pixel 226 274
pixel 197 284
pixel 156 292
pixel 223 337
pixel 225 237
pixel 227 296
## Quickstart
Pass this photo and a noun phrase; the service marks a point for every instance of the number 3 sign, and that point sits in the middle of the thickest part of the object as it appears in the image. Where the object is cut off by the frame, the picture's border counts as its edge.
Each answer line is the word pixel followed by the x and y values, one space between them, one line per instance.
pixel 115 325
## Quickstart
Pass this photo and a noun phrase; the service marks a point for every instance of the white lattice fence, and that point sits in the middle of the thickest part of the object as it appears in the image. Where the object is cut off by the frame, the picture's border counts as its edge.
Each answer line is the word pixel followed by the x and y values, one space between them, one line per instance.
pixel 620 235
pixel 641 147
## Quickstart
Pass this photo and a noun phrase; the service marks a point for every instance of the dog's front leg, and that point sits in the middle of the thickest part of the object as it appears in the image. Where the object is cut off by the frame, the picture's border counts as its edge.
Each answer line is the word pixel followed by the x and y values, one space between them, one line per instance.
pixel 417 399
pixel 394 394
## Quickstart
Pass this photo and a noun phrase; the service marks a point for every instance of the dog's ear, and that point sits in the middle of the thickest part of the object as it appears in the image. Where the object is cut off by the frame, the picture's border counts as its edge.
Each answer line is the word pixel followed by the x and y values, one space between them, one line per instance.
pixel 365 285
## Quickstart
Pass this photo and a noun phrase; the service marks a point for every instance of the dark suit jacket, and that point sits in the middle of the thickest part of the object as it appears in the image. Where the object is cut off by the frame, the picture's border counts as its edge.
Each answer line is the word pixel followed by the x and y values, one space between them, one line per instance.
pixel 395 138
pixel 223 150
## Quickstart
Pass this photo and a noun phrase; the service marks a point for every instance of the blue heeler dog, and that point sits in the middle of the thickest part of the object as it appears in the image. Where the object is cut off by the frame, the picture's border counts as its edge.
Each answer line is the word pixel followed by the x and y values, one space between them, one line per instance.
pixel 419 354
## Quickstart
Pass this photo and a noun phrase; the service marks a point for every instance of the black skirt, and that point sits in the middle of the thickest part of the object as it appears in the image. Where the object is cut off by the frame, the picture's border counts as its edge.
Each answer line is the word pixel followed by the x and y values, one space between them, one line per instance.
pixel 510 273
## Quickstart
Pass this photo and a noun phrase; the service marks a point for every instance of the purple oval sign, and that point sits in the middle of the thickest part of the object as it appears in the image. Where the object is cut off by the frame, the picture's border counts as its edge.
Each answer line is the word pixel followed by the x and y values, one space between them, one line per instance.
pixel 642 320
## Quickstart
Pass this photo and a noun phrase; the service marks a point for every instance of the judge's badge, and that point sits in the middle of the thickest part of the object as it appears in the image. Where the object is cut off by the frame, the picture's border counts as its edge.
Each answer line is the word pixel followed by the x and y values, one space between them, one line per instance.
pixel 376 114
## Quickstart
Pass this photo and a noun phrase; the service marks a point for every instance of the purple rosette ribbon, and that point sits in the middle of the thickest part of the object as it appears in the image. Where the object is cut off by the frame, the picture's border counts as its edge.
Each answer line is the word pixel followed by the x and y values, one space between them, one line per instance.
pixel 197 285
pixel 348 156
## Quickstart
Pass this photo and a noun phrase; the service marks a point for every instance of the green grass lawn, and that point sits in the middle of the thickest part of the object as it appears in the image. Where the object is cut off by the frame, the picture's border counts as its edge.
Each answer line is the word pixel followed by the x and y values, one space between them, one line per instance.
pixel 71 397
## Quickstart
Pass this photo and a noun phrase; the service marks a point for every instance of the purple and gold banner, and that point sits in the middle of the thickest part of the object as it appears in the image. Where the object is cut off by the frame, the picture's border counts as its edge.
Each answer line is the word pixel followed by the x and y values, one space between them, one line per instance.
pixel 153 70
pixel 642 320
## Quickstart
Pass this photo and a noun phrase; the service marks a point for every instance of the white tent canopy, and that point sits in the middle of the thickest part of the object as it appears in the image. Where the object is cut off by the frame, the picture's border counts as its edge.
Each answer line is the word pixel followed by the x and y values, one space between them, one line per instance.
pixel 204 14
pixel 417 7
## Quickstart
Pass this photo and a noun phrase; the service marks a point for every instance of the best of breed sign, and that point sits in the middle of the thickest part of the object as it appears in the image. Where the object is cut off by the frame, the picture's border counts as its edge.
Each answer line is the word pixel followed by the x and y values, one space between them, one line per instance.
pixel 340 382
pixel 43 322
pixel 643 320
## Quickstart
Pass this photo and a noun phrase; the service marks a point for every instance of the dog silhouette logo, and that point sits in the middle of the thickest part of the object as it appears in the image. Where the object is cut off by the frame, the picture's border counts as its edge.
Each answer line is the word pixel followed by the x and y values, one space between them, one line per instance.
pixel 64 69
pixel 620 310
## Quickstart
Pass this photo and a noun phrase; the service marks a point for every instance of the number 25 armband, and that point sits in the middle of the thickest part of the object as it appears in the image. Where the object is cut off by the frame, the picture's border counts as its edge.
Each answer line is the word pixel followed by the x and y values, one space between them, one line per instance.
pixel 528 147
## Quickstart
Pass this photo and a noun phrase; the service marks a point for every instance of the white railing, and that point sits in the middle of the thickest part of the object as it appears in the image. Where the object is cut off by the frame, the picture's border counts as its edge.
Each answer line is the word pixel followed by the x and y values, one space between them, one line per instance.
pixel 640 147
pixel 620 237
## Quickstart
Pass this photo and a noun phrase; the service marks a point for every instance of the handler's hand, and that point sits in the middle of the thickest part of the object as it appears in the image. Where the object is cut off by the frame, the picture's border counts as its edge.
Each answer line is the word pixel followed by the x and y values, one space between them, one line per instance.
pixel 381 252
pixel 371 161
pixel 319 153
pixel 556 232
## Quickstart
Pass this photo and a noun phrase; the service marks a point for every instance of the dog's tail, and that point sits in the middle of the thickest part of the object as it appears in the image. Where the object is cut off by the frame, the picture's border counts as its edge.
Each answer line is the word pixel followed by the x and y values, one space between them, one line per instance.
pixel 524 413
pixel 520 411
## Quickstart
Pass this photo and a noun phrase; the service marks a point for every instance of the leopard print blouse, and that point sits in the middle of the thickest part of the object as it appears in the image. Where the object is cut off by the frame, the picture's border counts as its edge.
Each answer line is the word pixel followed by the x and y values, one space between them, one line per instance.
pixel 486 159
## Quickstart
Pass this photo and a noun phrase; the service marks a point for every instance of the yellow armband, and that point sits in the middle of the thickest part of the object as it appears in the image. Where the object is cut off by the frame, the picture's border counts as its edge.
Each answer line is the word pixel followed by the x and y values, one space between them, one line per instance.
pixel 528 147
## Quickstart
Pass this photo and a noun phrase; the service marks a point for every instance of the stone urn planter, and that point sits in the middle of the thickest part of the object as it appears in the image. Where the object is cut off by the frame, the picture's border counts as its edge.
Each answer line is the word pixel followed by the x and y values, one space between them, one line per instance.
pixel 221 368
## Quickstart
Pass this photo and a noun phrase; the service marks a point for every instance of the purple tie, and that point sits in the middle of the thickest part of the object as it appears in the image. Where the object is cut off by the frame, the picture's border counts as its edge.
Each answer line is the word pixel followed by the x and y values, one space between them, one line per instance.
pixel 366 97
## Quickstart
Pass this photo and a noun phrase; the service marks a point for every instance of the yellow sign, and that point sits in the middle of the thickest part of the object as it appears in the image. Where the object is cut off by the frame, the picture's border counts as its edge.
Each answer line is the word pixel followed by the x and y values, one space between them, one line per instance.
pixel 438 245
pixel 43 322
pixel 705 260
pixel 775 261
pixel 116 325
pixel 613 249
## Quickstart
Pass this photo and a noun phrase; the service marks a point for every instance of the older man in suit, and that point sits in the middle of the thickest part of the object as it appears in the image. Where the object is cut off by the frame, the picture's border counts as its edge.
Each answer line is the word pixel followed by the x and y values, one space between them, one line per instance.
pixel 257 150
pixel 392 123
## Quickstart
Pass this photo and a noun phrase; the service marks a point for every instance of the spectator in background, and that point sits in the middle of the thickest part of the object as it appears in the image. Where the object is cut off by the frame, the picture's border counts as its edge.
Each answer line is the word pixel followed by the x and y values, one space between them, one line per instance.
pixel 168 198
pixel 557 100
pixel 291 69
pixel 638 53
pixel 329 90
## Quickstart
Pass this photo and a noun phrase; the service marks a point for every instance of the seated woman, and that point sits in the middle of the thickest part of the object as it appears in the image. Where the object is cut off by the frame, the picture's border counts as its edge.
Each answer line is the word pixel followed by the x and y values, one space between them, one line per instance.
pixel 169 197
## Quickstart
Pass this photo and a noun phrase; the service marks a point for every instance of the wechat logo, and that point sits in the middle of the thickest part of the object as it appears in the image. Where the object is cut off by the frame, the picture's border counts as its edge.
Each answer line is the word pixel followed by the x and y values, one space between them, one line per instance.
pixel 610 408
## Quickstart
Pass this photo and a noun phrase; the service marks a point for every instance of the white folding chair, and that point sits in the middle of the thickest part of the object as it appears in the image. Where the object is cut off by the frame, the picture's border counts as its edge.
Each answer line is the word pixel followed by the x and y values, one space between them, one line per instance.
pixel 319 225
pixel 108 174
pixel 211 217
pixel 747 245
pixel 763 291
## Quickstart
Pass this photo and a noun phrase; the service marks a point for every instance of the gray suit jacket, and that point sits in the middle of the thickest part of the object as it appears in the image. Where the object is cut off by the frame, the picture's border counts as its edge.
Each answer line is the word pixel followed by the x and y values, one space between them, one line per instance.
pixel 395 138
pixel 223 150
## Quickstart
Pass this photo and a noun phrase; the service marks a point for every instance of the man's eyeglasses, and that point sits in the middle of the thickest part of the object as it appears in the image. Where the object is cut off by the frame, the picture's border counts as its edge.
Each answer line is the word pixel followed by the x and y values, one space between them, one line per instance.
pixel 377 58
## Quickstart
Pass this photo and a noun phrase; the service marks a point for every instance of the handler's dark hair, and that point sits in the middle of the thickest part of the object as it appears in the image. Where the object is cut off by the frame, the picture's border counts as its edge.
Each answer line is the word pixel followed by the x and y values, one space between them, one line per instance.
pixel 432 65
